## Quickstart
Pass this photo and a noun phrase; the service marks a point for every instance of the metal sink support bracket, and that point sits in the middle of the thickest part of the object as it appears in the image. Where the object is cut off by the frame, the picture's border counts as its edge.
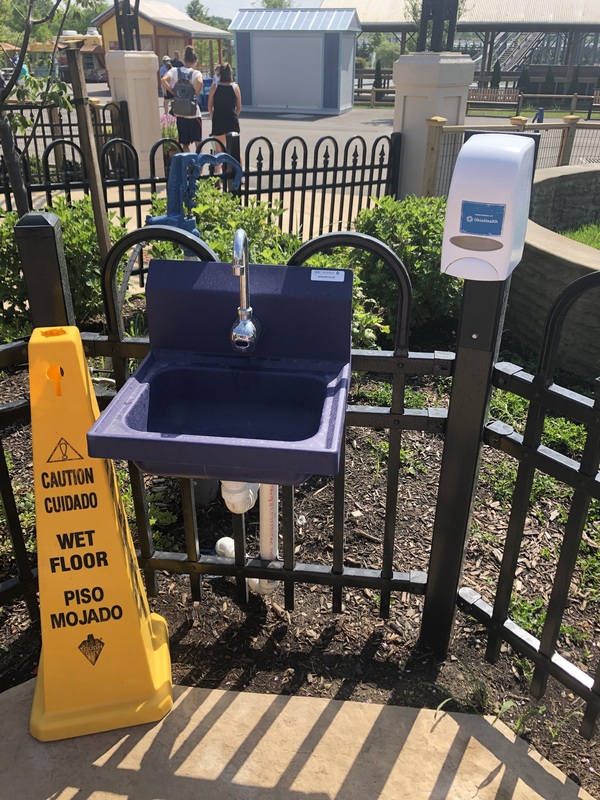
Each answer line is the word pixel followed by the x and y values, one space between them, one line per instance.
pixel 198 408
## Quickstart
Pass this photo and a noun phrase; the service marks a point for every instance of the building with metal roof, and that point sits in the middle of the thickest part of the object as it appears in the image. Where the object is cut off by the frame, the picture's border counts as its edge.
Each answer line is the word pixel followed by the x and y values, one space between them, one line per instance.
pixel 560 34
pixel 481 15
pixel 163 29
pixel 296 59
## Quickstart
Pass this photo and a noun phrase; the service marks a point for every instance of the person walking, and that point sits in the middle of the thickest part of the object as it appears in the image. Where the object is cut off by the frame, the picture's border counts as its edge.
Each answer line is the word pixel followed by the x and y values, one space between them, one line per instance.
pixel 185 83
pixel 167 95
pixel 176 61
pixel 224 106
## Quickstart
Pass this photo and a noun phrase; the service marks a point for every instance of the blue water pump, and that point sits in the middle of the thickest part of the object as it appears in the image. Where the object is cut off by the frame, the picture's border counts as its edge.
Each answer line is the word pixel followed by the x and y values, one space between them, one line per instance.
pixel 181 188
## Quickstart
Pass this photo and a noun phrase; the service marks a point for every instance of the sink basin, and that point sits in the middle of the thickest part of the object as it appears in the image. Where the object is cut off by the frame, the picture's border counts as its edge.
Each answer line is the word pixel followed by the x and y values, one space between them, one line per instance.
pixel 195 408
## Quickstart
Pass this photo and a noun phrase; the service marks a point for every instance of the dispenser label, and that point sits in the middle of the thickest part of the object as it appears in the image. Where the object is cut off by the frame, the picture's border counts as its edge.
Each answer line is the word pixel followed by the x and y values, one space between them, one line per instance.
pixel 482 219
pixel 329 275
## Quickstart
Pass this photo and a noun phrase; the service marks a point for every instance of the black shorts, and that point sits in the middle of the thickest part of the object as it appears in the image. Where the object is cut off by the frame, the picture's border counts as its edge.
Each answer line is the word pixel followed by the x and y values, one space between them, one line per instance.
pixel 189 129
pixel 168 94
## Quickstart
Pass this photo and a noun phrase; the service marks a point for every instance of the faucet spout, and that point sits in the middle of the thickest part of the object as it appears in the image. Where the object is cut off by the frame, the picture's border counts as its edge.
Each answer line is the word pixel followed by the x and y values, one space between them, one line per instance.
pixel 245 330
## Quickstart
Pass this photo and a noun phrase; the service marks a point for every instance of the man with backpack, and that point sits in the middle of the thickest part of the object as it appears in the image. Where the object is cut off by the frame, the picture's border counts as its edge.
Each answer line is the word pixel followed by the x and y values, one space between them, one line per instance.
pixel 185 83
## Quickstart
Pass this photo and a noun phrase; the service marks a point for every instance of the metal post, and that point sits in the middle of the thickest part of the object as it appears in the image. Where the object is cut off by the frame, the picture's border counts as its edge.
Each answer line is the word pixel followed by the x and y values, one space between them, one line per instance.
pixel 39 240
pixel 395 156
pixel 481 323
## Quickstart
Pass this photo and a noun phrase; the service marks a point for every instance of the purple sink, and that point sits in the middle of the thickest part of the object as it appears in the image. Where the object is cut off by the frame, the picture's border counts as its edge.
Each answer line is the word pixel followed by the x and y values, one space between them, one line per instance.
pixel 196 408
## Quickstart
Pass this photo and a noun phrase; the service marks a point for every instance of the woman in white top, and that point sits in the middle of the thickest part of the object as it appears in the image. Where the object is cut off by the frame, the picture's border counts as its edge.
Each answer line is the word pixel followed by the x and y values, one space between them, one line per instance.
pixel 189 126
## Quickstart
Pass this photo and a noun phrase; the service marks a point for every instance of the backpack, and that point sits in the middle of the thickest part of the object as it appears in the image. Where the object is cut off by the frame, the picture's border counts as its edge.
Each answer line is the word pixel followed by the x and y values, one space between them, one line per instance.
pixel 184 99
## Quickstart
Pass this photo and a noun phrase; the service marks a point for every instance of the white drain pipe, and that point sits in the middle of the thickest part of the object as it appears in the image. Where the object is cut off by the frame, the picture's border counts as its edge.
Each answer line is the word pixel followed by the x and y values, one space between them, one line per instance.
pixel 240 497
pixel 269 532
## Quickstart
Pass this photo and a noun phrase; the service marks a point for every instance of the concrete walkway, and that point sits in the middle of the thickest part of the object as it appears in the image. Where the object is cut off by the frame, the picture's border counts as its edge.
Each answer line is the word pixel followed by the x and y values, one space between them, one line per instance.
pixel 242 746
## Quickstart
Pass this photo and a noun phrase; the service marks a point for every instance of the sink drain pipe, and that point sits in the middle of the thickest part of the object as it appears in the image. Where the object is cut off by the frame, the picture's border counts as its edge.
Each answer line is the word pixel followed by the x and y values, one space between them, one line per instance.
pixel 239 498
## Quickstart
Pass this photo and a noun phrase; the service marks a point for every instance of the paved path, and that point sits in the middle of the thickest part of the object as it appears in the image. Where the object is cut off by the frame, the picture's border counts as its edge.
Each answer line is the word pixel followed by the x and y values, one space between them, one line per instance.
pixel 217 745
pixel 368 122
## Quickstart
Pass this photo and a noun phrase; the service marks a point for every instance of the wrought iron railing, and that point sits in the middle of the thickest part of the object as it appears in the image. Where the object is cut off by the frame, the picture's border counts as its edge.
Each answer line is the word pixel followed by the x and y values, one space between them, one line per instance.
pixel 473 373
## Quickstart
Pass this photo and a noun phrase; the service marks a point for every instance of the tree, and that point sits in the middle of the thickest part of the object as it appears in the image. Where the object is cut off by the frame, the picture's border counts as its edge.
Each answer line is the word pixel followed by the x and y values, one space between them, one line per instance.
pixel 51 92
pixel 524 82
pixel 549 84
pixel 496 76
pixel 574 85
pixel 377 82
pixel 387 54
pixel 196 10
pixel 80 17
pixel 275 4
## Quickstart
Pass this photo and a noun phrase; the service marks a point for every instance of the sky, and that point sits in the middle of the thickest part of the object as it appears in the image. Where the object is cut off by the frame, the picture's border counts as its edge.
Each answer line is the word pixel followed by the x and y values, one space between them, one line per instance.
pixel 229 8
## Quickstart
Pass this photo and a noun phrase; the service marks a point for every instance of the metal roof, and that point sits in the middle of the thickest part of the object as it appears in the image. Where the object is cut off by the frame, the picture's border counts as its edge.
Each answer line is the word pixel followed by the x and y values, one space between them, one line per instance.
pixel 486 14
pixel 296 19
pixel 169 17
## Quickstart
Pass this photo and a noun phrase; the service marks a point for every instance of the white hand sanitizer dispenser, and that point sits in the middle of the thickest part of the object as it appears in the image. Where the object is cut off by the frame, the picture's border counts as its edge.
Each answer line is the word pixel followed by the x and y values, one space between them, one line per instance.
pixel 488 207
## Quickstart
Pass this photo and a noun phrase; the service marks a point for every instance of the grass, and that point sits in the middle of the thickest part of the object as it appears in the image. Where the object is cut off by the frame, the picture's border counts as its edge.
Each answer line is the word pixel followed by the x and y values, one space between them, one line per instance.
pixel 380 394
pixel 549 113
pixel 587 234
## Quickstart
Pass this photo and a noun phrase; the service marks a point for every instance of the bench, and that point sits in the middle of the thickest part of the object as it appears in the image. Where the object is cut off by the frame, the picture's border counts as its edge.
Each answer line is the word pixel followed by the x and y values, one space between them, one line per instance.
pixel 375 95
pixel 494 98
pixel 594 104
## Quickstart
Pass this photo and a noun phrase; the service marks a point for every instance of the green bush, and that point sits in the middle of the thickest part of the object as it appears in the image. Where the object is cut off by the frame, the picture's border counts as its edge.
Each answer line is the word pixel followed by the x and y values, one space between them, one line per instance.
pixel 496 76
pixel 368 326
pixel 82 256
pixel 413 229
pixel 219 214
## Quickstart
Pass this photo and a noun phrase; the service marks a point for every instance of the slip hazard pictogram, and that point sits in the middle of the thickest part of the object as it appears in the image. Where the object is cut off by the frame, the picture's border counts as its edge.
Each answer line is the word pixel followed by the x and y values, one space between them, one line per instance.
pixel 91 648
pixel 64 452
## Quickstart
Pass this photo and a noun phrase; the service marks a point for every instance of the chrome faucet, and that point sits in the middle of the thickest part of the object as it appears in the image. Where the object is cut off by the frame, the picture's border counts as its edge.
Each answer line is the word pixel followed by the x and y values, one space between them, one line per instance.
pixel 245 330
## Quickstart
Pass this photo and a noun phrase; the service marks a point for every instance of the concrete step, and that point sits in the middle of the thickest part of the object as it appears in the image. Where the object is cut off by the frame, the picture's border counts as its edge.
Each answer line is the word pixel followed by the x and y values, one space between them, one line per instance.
pixel 242 746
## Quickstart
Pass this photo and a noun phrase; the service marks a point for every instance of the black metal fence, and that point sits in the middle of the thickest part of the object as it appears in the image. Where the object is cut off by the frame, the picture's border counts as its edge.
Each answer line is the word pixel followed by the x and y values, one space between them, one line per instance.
pixel 316 192
pixel 473 372
pixel 47 143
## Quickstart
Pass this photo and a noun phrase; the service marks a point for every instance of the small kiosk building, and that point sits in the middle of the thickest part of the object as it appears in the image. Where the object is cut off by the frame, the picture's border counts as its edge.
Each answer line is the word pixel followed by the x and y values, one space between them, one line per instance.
pixel 296 59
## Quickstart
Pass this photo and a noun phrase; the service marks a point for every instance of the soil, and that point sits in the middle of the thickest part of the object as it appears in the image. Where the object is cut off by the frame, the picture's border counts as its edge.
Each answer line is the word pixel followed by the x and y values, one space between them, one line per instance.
pixel 355 655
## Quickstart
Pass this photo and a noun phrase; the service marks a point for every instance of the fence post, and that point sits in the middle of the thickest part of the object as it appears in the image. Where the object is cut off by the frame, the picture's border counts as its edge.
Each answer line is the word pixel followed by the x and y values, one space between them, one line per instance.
pixel 519 104
pixel 519 122
pixel 435 134
pixel 573 107
pixel 396 152
pixel 568 138
pixel 40 245
pixel 86 135
pixel 481 321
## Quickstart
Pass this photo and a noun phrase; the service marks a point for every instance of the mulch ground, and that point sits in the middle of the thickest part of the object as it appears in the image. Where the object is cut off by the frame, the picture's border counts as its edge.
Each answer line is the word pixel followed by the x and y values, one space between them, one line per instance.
pixel 354 655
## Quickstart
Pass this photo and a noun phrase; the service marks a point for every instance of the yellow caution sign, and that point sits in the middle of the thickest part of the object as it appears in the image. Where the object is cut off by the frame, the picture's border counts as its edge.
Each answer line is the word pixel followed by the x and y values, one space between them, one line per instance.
pixel 105 658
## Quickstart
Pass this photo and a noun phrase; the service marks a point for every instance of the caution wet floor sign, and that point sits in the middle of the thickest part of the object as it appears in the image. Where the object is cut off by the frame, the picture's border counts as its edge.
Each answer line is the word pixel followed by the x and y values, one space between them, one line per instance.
pixel 105 659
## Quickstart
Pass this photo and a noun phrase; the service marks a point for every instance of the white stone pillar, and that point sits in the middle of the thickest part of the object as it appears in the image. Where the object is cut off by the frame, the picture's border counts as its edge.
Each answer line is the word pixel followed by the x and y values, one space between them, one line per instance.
pixel 132 77
pixel 427 85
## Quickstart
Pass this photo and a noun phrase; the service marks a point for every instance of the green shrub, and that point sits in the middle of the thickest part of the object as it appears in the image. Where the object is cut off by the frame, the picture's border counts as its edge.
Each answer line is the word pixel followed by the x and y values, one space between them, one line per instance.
pixel 13 296
pixel 368 325
pixel 82 256
pixel 413 229
pixel 219 214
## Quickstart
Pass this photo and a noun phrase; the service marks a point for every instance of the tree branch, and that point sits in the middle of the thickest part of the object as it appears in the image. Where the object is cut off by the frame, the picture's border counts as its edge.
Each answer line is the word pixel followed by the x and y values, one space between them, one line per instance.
pixel 48 16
